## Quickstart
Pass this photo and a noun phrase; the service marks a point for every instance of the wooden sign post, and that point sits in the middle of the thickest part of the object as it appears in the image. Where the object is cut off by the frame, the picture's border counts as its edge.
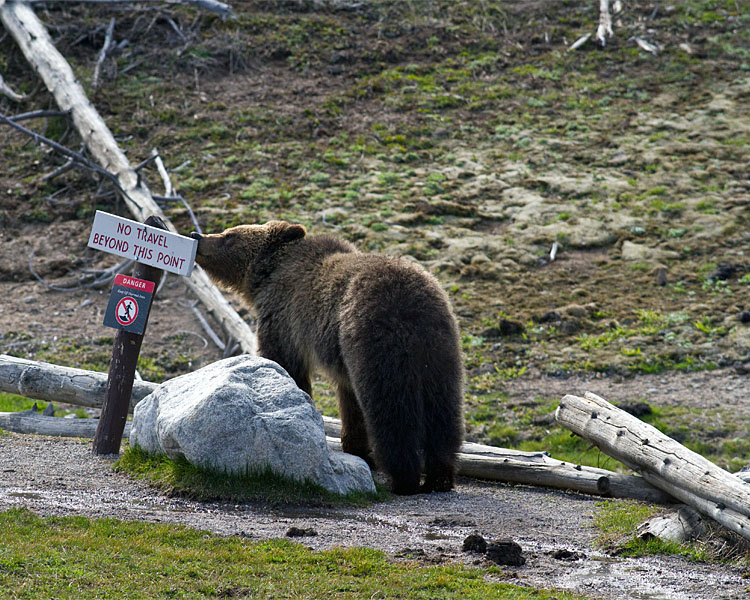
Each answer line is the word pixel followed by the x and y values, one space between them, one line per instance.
pixel 156 250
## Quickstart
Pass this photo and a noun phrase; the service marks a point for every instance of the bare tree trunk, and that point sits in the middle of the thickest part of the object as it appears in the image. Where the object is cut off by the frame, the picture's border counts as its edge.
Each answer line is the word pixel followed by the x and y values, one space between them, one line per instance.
pixel 32 37
pixel 661 461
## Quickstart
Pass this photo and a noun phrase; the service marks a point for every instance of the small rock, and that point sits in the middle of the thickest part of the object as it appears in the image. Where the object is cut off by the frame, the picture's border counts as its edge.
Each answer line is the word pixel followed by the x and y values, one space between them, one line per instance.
pixel 505 327
pixel 567 555
pixel 637 409
pixel 576 310
pixel 30 299
pixel 301 532
pixel 744 316
pixel 569 327
pixel 660 276
pixel 510 327
pixel 483 369
pixel 724 271
pixel 547 317
pixel 506 552
pixel 642 253
pixel 475 543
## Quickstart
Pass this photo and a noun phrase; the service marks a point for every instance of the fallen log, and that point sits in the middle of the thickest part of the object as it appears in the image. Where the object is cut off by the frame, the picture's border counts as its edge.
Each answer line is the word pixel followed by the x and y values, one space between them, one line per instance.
pixel 31 36
pixel 53 383
pixel 539 469
pixel 661 461
pixel 29 421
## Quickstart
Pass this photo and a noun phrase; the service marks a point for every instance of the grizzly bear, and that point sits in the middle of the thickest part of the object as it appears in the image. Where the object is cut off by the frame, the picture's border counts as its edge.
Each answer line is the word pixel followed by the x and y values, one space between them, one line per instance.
pixel 380 328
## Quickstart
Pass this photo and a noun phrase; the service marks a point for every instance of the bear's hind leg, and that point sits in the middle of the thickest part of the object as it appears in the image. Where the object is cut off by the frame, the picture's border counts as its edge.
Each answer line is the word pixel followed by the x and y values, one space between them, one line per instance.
pixel 440 474
pixel 354 438
pixel 394 425
pixel 443 434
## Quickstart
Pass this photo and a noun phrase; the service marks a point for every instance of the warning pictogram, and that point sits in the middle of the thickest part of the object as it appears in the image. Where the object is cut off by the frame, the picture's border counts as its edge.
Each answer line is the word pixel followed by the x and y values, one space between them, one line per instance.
pixel 126 311
pixel 129 304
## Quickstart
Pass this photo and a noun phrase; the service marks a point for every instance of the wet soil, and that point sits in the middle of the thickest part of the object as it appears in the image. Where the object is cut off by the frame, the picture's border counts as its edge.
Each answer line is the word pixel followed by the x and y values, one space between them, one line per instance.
pixel 554 529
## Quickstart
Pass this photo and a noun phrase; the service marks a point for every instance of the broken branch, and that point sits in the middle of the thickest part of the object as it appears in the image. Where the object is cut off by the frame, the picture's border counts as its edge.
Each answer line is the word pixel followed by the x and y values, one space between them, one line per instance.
pixel 103 53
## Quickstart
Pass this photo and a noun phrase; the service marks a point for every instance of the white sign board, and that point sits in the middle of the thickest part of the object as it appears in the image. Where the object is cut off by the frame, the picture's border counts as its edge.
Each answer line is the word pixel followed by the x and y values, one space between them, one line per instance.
pixel 148 245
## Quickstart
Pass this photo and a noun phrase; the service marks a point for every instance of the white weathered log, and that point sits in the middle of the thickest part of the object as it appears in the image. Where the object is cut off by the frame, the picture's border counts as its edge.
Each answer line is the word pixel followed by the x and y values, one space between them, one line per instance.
pixel 53 383
pixel 31 36
pixel 31 422
pixel 662 461
pixel 678 524
pixel 539 469
pixel 731 519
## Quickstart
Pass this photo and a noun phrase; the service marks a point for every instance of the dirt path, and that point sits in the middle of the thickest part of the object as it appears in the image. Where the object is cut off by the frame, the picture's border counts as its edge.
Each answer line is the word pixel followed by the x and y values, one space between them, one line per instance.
pixel 54 476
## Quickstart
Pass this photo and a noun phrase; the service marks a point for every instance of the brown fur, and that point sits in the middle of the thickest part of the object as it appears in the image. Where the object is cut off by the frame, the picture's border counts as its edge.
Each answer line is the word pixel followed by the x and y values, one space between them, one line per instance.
pixel 381 328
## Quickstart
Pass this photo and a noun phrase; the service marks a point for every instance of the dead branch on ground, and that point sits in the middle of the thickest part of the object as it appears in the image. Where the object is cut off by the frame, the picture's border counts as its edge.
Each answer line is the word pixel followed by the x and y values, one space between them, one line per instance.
pixel 6 90
pixel 103 53
pixel 220 8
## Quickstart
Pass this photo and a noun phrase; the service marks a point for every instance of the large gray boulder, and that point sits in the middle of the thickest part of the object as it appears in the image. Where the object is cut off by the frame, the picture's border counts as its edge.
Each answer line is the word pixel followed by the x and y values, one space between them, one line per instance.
pixel 241 415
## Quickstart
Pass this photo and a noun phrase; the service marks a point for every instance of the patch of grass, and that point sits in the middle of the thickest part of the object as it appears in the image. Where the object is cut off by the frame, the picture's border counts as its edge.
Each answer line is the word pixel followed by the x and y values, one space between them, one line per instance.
pixel 567 447
pixel 618 518
pixel 618 521
pixel 75 557
pixel 14 403
pixel 180 478
pixel 529 426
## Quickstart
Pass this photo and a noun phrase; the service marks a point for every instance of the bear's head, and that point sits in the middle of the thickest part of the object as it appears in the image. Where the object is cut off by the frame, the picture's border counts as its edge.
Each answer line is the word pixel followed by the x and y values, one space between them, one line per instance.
pixel 244 252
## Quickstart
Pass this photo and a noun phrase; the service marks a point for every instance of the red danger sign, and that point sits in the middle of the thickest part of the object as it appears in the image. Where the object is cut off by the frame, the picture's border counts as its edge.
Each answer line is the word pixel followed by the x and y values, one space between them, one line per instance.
pixel 129 304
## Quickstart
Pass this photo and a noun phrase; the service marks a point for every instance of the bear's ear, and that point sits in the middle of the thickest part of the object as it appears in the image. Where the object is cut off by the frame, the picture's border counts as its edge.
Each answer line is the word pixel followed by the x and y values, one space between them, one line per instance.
pixel 283 232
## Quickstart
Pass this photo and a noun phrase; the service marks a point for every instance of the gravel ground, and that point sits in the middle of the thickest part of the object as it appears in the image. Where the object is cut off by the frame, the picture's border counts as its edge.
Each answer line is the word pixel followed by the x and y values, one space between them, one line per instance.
pixel 54 476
